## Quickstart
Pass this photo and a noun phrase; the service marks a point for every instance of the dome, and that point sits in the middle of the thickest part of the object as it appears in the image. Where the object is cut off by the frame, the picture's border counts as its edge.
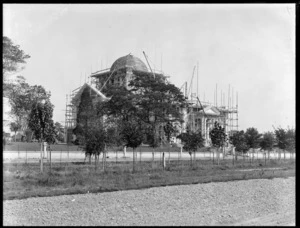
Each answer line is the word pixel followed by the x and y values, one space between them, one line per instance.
pixel 129 61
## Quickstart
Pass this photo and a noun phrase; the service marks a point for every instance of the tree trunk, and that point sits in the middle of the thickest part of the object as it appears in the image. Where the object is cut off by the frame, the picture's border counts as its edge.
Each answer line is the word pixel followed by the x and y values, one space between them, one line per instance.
pixel 95 162
pixel 41 157
pixel 124 151
pixel 218 154
pixel 133 159
pixel 152 155
pixel 50 160
pixel 103 157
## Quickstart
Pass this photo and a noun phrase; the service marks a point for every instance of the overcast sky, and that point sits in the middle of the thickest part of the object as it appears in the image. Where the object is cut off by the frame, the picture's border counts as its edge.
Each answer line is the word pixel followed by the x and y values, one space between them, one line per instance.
pixel 249 46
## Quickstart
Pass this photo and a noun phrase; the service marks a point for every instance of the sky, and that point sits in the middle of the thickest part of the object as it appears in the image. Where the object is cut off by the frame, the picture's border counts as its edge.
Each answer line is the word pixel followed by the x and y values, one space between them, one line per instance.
pixel 250 47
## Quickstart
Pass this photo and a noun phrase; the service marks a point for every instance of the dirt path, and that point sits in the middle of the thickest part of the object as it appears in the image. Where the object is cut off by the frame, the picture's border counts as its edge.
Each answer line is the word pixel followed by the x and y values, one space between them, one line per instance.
pixel 251 202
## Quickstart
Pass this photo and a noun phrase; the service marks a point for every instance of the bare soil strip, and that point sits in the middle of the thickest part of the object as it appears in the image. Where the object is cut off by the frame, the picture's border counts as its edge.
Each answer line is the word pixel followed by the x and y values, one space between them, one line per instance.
pixel 250 202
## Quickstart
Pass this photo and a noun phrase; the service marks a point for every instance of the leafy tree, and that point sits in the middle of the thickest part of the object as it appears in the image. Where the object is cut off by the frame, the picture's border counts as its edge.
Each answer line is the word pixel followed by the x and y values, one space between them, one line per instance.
pixel 151 101
pixel 191 141
pixel 14 126
pixel 13 57
pixel 252 138
pixel 291 138
pixel 239 142
pixel 41 123
pixel 131 135
pixel 218 136
pixel 285 139
pixel 267 142
pixel 21 98
pixel 158 101
pixel 89 129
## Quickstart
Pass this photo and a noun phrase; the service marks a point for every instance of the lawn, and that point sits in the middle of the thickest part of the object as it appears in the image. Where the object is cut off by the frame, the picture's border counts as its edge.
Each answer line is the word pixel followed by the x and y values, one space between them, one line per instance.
pixel 25 180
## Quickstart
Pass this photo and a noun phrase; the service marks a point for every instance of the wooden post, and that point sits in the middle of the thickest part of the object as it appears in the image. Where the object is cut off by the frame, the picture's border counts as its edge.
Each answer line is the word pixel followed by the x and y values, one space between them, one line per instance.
pixel 18 152
pixel 164 160
pixel 265 158
pixel 180 151
pixel 60 156
pixel 41 157
pixel 103 156
pixel 26 157
pixel 169 153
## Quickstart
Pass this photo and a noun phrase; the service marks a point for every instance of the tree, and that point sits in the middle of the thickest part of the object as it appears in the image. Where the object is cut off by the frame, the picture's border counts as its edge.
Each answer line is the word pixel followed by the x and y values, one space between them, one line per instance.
pixel 89 129
pixel 191 141
pixel 151 101
pixel 239 142
pixel 41 123
pixel 21 98
pixel 218 137
pixel 285 139
pixel 13 57
pixel 290 133
pixel 14 126
pixel 267 142
pixel 131 135
pixel 252 139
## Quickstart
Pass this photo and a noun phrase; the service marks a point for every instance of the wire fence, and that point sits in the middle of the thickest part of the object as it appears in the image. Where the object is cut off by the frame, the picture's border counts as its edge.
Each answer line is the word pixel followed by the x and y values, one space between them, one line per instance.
pixel 158 159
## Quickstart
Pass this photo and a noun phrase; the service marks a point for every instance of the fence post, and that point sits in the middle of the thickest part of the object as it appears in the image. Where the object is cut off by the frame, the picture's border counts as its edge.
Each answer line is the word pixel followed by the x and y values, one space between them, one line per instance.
pixel 26 156
pixel 18 152
pixel 41 160
pixel 169 153
pixel 164 160
pixel 50 160
pixel 140 156
pixel 180 151
pixel 60 156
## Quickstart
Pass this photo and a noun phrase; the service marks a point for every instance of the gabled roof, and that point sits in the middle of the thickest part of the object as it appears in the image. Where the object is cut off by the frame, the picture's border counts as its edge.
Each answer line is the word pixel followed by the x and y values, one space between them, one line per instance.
pixel 76 98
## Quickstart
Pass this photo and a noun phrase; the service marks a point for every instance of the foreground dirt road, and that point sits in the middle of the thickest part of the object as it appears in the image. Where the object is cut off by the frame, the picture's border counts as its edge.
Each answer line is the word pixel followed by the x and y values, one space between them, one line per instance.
pixel 251 202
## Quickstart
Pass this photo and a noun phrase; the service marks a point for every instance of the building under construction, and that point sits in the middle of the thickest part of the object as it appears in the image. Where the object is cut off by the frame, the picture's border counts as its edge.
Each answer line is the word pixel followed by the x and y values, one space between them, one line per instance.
pixel 199 115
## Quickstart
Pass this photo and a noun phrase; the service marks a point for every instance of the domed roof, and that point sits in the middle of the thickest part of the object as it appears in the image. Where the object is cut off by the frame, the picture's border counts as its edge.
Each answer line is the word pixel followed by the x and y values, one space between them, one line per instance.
pixel 129 61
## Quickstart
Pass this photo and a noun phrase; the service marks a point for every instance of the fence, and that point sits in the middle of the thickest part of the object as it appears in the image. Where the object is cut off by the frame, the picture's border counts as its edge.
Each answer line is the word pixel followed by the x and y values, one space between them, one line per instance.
pixel 160 158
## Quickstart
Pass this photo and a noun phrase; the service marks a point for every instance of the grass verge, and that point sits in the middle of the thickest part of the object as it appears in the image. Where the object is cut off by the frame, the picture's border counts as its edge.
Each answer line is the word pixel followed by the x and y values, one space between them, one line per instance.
pixel 23 181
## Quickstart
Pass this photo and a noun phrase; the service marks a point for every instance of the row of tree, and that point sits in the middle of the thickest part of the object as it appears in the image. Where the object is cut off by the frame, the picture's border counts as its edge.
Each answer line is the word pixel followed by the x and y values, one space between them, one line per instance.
pixel 281 138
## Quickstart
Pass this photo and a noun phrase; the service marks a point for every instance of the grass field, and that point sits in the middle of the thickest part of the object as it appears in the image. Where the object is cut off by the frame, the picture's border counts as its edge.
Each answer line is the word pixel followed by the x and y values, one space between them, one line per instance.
pixel 23 181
